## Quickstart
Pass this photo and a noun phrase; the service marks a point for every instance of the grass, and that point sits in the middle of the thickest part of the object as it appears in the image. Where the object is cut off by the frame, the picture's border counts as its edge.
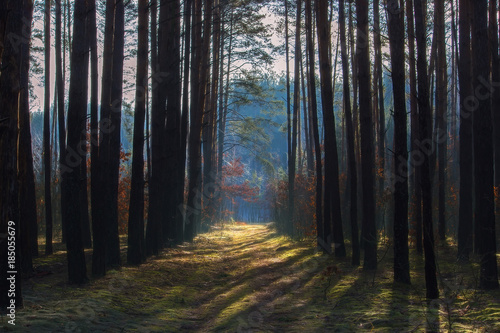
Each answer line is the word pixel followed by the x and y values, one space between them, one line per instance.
pixel 243 278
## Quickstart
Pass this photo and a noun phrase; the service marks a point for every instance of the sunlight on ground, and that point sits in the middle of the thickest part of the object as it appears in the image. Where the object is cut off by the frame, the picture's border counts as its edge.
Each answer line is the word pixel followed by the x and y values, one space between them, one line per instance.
pixel 247 278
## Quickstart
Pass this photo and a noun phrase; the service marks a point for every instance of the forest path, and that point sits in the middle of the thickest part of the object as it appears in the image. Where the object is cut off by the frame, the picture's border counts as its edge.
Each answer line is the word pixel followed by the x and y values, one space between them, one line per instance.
pixel 246 278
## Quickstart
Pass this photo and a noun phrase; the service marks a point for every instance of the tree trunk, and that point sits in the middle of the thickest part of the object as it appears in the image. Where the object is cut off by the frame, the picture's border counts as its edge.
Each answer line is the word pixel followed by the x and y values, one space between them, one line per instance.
pixel 441 111
pixel 113 240
pixel 136 207
pixel 396 40
pixel 425 149
pixel 414 169
pixel 483 151
pixel 465 217
pixel 153 227
pixel 352 173
pixel 198 81
pixel 332 209
pixel 84 198
pixel 9 201
pixel 366 128
pixel 184 123
pixel 379 77
pixel 47 156
pixel 170 63
pixel 77 270
pixel 495 98
pixel 296 107
pixel 27 196
pixel 60 88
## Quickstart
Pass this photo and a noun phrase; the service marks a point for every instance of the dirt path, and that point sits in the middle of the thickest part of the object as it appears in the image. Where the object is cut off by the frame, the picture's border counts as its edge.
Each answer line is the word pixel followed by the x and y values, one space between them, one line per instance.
pixel 242 278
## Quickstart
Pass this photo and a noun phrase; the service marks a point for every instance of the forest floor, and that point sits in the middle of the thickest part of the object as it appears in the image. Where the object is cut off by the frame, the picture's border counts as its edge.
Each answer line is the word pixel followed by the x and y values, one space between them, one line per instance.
pixel 246 278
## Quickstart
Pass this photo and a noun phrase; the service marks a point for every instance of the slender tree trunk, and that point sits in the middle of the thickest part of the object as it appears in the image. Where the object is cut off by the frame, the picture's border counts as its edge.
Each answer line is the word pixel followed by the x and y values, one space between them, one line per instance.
pixel 113 240
pixel 184 121
pixel 441 111
pixel 47 156
pixel 352 174
pixel 198 82
pixel 98 262
pixel 60 83
pixel 322 241
pixel 77 270
pixel 465 217
pixel 84 198
pixel 27 197
pixel 379 77
pixel 332 209
pixel 153 227
pixel 414 169
pixel 483 151
pixel 396 40
pixel 11 65
pixel 495 98
pixel 136 207
pixel 369 228
pixel 424 150
pixel 296 106
pixel 288 222
pixel 170 46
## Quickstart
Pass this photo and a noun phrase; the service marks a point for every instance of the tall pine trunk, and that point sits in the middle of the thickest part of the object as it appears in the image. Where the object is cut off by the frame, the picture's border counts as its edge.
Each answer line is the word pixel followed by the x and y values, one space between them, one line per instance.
pixel 296 106
pixel 77 270
pixel 416 197
pixel 352 173
pixel 483 151
pixel 365 116
pixel 396 40
pixel 465 213
pixel 441 111
pixel 113 240
pixel 136 207
pixel 9 97
pixel 425 149
pixel 47 156
pixel 27 196
pixel 331 210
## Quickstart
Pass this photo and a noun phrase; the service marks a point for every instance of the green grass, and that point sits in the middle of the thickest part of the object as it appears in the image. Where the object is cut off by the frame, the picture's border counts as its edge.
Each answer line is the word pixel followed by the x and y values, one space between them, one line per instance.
pixel 247 278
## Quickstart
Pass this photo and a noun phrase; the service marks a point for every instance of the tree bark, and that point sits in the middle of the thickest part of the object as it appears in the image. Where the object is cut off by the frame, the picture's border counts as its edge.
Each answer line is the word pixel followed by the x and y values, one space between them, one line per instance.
pixel 441 111
pixel 465 217
pixel 27 196
pixel 77 269
pixel 113 240
pixel 483 151
pixel 331 209
pixel 396 40
pixel 9 98
pixel 352 173
pixel 136 207
pixel 47 156
pixel 425 148
pixel 367 162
